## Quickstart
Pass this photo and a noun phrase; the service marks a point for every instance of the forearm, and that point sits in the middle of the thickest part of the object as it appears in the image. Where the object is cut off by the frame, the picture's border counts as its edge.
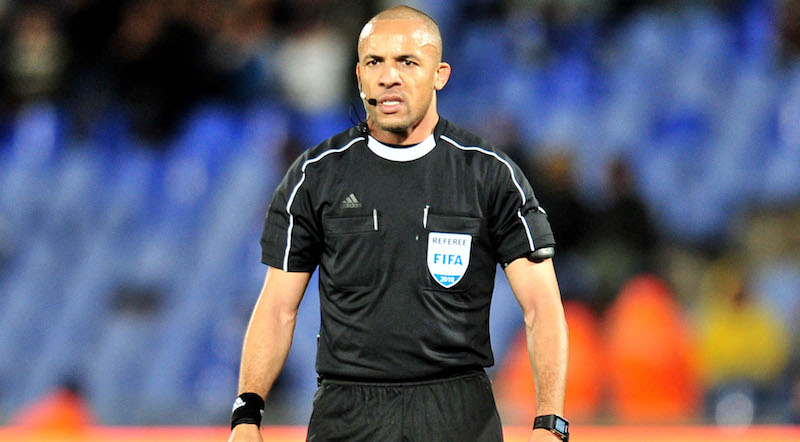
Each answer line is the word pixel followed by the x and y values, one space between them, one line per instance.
pixel 266 346
pixel 548 350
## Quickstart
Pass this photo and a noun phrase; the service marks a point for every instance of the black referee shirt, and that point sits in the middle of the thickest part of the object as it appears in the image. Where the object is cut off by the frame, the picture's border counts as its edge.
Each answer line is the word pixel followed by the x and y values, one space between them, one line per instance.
pixel 407 241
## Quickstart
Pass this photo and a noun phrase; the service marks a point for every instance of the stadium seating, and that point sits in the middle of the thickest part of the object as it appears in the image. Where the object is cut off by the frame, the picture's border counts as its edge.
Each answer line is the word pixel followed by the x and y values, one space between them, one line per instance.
pixel 696 101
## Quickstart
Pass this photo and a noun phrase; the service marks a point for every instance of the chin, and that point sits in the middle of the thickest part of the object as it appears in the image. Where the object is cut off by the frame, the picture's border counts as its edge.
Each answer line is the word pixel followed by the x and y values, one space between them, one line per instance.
pixel 395 123
pixel 398 127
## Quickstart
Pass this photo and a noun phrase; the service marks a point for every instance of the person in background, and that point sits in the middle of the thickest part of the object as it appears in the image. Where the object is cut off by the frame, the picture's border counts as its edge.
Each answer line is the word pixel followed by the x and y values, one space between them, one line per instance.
pixel 734 323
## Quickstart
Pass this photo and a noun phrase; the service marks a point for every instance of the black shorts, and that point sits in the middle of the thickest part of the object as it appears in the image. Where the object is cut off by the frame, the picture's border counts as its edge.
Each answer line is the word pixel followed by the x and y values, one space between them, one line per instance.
pixel 459 408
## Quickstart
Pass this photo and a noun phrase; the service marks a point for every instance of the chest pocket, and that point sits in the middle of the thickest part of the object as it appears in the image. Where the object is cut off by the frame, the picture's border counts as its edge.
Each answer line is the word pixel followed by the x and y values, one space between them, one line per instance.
pixel 353 246
pixel 450 243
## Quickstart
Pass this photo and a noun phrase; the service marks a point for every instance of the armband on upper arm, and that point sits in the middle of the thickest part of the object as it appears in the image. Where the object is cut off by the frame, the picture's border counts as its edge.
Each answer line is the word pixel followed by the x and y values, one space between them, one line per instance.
pixel 541 254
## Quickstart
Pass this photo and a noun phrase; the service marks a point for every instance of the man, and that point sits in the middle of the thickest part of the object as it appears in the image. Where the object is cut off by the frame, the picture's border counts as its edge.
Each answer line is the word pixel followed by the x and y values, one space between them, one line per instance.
pixel 406 216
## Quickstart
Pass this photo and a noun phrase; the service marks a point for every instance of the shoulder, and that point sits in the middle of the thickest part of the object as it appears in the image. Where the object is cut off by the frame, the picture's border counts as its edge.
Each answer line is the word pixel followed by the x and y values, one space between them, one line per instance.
pixel 328 149
pixel 462 138
pixel 471 144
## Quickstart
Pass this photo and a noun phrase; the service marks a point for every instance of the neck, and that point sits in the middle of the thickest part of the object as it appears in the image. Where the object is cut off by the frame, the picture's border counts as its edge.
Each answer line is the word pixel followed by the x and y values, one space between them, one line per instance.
pixel 414 135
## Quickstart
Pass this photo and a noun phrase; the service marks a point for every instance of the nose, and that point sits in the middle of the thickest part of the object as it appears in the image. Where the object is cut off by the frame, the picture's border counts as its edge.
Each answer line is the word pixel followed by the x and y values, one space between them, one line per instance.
pixel 389 77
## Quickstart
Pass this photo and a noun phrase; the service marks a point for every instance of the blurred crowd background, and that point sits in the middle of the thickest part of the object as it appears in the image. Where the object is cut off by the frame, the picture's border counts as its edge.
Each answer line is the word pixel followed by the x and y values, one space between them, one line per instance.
pixel 141 140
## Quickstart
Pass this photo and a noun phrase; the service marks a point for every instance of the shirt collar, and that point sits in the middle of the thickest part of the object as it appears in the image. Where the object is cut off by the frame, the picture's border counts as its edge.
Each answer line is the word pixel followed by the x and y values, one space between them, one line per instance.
pixel 401 154
pixel 410 153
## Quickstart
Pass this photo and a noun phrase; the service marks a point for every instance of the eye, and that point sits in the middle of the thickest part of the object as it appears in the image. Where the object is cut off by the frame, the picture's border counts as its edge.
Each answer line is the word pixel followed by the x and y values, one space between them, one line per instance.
pixel 408 63
pixel 372 62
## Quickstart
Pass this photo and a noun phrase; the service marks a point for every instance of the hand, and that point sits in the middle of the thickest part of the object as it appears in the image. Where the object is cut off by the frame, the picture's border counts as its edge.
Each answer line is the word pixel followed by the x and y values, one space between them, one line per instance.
pixel 542 435
pixel 245 433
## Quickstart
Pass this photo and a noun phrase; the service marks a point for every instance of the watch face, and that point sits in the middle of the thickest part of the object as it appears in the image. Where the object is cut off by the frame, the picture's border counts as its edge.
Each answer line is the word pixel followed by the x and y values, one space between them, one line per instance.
pixel 561 426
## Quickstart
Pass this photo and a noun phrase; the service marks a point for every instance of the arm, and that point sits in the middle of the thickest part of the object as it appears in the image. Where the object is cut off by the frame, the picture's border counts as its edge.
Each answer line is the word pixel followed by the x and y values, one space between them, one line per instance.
pixel 268 338
pixel 536 289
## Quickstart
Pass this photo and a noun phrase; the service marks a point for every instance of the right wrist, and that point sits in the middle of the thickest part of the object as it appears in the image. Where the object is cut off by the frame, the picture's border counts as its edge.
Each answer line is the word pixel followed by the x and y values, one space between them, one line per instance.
pixel 248 409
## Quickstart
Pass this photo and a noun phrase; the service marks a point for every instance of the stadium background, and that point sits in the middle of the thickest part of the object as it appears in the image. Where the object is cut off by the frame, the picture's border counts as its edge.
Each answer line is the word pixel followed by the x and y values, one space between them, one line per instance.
pixel 140 142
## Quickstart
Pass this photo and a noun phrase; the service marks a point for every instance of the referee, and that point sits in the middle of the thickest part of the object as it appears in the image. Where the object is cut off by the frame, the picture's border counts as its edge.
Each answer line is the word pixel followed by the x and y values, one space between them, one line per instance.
pixel 406 216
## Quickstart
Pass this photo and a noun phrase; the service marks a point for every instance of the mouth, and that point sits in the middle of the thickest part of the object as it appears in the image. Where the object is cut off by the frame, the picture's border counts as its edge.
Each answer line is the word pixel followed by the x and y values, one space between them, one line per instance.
pixel 390 104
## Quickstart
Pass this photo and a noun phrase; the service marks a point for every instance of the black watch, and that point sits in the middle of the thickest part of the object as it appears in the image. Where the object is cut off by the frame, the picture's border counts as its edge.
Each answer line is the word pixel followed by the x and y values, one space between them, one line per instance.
pixel 555 423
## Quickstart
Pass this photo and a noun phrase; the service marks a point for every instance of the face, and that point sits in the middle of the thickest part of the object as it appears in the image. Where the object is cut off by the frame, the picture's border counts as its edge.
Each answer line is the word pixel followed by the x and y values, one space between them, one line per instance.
pixel 399 66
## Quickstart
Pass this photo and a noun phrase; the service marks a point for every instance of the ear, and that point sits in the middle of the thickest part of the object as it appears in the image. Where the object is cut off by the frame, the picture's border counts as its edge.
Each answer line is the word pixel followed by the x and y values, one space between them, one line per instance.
pixel 358 76
pixel 442 75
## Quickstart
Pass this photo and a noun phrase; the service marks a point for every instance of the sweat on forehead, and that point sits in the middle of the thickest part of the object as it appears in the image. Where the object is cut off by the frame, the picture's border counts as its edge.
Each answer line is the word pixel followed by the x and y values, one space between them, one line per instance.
pixel 427 31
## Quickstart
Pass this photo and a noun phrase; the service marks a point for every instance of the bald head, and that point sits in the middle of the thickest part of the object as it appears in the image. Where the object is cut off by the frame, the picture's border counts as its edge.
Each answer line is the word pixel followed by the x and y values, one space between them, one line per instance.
pixel 427 32
pixel 399 70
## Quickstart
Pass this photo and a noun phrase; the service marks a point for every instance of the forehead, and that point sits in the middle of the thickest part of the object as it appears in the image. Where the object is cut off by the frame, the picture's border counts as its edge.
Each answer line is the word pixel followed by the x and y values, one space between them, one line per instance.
pixel 384 37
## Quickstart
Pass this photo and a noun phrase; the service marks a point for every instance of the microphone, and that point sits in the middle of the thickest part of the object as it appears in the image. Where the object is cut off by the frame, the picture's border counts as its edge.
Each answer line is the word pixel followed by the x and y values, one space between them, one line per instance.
pixel 371 101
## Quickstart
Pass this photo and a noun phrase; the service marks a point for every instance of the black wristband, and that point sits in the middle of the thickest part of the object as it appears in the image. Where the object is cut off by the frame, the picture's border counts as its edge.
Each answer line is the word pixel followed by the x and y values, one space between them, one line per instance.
pixel 247 409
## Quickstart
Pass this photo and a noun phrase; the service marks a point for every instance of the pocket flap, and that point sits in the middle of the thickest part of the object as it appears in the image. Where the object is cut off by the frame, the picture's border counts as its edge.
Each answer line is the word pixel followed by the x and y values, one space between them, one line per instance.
pixel 454 224
pixel 350 224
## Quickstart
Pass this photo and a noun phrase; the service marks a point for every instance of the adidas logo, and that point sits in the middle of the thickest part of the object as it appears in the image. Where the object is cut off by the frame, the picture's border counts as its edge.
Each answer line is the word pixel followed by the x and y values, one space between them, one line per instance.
pixel 351 202
pixel 238 403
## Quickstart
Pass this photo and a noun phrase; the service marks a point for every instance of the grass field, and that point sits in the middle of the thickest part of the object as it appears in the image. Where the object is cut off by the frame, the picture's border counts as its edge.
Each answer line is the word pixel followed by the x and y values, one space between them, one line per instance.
pixel 512 434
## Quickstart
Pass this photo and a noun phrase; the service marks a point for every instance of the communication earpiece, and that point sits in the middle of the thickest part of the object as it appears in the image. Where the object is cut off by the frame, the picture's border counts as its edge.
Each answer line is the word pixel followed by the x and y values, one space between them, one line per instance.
pixel 363 96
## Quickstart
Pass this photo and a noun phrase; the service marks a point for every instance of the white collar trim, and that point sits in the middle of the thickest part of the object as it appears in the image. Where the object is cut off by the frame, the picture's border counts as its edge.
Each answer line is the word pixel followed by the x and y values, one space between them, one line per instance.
pixel 401 153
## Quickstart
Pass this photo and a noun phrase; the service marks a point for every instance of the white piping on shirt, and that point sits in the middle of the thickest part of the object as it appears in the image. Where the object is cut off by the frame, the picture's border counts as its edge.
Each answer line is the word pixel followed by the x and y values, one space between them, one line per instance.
pixel 513 178
pixel 294 192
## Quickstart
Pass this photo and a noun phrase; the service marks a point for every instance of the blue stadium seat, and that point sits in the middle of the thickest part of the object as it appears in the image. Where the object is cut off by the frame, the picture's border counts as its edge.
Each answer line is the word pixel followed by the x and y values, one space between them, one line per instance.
pixel 32 300
pixel 312 129
pixel 781 178
pixel 121 360
pixel 483 53
pixel 86 292
pixel 265 134
pixel 30 165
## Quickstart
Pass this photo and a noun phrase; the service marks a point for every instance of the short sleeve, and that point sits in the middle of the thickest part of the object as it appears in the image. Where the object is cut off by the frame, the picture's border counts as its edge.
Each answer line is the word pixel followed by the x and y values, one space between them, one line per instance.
pixel 519 225
pixel 291 239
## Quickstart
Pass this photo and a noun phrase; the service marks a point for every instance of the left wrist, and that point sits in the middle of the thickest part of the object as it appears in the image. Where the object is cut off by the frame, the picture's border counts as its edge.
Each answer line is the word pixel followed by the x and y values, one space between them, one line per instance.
pixel 554 424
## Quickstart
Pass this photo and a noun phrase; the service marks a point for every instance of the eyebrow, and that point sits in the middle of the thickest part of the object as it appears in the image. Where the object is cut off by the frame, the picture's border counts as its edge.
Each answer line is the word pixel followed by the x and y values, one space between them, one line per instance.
pixel 399 57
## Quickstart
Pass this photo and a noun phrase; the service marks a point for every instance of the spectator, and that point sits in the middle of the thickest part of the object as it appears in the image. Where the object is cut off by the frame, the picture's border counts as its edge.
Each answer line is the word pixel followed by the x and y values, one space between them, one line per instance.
pixel 89 86
pixel 789 28
pixel 652 357
pixel 64 410
pixel 585 380
pixel 555 177
pixel 243 51
pixel 744 346
pixel 622 237
pixel 313 72
pixel 36 55
pixel 558 194
pixel 159 58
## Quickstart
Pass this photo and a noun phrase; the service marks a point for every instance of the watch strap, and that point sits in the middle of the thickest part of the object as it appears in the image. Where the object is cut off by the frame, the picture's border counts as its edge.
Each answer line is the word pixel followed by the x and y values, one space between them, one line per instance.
pixel 554 423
